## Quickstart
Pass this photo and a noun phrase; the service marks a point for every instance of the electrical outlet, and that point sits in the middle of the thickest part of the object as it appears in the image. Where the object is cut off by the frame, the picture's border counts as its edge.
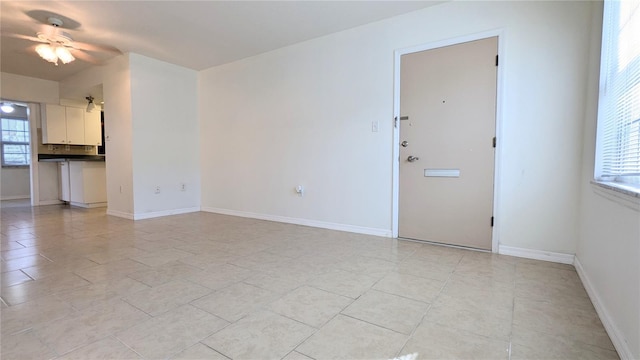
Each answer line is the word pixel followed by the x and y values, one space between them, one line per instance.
pixel 157 191
pixel 67 147
pixel 183 187
pixel 50 147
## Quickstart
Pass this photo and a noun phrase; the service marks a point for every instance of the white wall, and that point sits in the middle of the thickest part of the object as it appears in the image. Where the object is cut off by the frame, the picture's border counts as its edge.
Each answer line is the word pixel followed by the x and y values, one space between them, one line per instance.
pixel 151 134
pixel 165 137
pixel 115 78
pixel 302 115
pixel 14 183
pixel 608 254
pixel 28 89
pixel 118 129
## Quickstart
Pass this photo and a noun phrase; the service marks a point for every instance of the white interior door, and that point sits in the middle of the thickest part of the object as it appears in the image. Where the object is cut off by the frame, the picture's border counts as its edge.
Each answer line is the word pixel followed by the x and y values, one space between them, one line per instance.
pixel 447 130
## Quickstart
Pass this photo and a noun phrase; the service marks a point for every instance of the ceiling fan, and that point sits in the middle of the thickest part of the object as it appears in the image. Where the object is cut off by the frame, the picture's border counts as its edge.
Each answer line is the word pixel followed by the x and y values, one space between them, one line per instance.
pixel 58 46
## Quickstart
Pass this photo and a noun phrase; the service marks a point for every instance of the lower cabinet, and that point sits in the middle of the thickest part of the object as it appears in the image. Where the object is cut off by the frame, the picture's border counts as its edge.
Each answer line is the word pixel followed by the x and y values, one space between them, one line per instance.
pixel 85 183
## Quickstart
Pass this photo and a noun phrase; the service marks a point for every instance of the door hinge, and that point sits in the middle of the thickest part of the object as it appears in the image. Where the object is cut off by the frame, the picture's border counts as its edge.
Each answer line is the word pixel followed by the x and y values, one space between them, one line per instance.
pixel 494 141
pixel 496 60
pixel 492 221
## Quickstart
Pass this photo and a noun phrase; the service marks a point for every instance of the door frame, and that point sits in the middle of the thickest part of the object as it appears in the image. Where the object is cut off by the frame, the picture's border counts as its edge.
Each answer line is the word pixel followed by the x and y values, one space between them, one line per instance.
pixel 495 238
pixel 34 116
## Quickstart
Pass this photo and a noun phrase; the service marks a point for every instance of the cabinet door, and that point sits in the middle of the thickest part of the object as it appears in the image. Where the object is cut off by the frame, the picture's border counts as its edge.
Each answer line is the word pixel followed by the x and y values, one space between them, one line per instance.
pixel 76 181
pixel 54 124
pixel 75 126
pixel 92 128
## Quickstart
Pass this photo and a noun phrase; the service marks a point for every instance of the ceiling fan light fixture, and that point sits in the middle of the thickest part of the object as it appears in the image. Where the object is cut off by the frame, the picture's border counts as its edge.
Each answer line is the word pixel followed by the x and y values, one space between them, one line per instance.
pixel 7 108
pixel 64 55
pixel 47 52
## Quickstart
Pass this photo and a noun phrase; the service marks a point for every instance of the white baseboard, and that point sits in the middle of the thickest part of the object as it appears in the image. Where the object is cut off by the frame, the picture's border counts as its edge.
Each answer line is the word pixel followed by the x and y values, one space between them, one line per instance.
pixel 150 215
pixel 306 222
pixel 120 214
pixel 614 333
pixel 156 214
pixel 536 254
pixel 16 197
pixel 88 206
pixel 50 202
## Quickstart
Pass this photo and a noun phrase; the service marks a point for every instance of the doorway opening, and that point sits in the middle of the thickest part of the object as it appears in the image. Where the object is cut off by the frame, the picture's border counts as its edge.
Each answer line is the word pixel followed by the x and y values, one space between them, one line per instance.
pixel 15 153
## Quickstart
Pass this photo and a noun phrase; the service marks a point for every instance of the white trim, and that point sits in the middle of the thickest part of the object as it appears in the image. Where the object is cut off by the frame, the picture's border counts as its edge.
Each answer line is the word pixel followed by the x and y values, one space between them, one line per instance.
pixel 498 156
pixel 616 336
pixel 500 33
pixel 50 202
pixel 120 214
pixel 305 222
pixel 88 206
pixel 619 196
pixel 150 215
pixel 561 258
pixel 34 179
pixel 15 197
pixel 395 179
pixel 155 214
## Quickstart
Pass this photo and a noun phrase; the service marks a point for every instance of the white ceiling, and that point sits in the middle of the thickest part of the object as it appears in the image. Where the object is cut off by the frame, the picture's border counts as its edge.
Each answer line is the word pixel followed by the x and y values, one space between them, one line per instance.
pixel 193 34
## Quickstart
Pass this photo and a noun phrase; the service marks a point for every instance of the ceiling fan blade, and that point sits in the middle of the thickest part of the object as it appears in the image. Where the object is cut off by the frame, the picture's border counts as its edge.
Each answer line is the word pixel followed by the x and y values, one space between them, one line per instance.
pixel 81 55
pixel 94 47
pixel 24 37
pixel 29 50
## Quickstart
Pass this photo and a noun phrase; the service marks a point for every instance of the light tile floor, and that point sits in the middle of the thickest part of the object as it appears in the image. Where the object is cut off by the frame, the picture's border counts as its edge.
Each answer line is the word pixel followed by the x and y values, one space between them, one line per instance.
pixel 78 284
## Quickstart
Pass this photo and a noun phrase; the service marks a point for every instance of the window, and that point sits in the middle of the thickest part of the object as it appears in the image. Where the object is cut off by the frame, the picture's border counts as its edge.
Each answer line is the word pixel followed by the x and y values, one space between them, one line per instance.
pixel 618 142
pixel 15 141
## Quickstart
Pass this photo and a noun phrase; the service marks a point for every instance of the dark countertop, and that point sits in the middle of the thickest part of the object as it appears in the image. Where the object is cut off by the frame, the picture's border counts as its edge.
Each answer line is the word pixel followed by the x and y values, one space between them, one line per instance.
pixel 69 157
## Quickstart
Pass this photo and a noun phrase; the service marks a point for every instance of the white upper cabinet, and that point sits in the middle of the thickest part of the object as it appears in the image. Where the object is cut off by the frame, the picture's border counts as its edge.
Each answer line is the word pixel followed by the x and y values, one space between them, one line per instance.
pixel 54 124
pixel 92 128
pixel 70 125
pixel 75 126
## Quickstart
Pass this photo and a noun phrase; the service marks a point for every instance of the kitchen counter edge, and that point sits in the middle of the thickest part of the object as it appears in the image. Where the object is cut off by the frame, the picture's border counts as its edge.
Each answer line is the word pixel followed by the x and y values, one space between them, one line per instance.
pixel 67 157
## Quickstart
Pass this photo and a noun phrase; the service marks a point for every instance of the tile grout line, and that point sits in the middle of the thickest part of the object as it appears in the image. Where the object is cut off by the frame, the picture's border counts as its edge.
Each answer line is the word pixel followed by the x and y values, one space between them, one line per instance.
pixel 424 316
pixel 84 224
pixel 332 318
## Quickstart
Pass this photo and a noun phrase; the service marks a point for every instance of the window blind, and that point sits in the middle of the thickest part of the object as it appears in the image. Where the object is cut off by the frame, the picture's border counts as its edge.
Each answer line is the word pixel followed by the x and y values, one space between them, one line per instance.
pixel 618 157
pixel 15 141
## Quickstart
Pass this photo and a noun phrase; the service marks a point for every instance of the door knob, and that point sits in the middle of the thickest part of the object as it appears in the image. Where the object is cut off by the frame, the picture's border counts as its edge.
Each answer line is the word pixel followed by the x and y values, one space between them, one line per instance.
pixel 412 158
pixel 404 143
